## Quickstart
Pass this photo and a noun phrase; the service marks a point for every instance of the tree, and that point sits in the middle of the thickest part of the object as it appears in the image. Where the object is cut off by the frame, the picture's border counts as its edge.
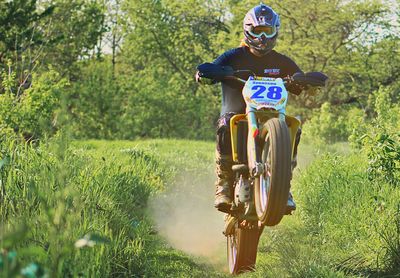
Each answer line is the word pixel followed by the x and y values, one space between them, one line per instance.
pixel 165 42
pixel 323 36
pixel 39 40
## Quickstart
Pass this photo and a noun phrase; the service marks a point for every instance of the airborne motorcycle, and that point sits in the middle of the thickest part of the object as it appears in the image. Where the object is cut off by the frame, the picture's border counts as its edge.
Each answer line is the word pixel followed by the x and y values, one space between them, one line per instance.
pixel 262 148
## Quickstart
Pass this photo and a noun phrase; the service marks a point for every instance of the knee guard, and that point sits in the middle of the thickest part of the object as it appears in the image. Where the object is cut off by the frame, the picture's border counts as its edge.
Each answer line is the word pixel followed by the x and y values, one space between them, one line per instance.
pixel 224 146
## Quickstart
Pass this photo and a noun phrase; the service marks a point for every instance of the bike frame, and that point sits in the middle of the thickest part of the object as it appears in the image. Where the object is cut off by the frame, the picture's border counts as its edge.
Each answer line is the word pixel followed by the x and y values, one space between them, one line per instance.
pixel 252 116
pixel 292 123
pixel 256 168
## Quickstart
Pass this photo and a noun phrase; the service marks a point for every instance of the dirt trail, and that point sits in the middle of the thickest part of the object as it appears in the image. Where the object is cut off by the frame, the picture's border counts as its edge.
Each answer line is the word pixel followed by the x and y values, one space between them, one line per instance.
pixel 185 216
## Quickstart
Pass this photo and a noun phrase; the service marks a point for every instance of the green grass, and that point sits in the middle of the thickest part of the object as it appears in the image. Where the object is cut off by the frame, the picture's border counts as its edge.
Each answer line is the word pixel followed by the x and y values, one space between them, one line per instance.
pixel 345 225
pixel 141 203
pixel 55 194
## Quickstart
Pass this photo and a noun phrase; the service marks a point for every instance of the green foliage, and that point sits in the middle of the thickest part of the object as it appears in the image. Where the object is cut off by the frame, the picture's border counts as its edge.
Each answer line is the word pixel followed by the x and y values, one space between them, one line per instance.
pixel 381 140
pixel 348 215
pixel 38 41
pixel 167 40
pixel 38 104
pixel 97 102
pixel 17 20
pixel 329 125
pixel 73 32
pixel 35 29
pixel 33 113
pixel 371 66
pixel 384 158
pixel 146 83
pixel 80 210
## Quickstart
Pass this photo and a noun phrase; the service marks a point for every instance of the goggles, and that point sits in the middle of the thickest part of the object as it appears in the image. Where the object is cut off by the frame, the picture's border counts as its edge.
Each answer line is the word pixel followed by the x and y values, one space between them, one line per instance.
pixel 267 31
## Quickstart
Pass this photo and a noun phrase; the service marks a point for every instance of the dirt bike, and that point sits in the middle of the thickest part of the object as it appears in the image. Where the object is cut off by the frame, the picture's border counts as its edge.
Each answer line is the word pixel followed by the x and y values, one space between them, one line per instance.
pixel 263 141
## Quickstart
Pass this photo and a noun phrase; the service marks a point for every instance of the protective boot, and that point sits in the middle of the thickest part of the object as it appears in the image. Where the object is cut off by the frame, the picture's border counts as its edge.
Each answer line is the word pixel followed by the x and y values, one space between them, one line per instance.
pixel 224 183
pixel 291 205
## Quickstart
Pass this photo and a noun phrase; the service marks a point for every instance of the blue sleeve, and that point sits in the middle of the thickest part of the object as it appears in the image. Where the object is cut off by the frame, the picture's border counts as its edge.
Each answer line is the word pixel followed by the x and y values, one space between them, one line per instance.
pixel 291 66
pixel 225 58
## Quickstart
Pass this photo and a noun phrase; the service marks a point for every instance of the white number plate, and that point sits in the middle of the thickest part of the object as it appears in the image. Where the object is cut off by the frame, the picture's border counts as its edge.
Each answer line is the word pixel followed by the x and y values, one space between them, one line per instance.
pixel 265 93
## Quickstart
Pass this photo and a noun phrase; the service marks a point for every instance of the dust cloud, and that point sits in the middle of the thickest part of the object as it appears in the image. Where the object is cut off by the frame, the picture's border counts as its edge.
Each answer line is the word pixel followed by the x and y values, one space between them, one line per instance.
pixel 186 217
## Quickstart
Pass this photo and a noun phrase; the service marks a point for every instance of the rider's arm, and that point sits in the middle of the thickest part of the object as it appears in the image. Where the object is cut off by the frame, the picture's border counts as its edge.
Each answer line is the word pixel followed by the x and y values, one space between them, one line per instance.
pixel 222 60
pixel 226 58
pixel 202 80
pixel 294 88
pixel 291 68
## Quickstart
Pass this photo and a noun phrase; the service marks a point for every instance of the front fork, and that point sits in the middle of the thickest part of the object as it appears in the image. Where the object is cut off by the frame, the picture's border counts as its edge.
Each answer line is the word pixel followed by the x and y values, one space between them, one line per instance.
pixel 256 167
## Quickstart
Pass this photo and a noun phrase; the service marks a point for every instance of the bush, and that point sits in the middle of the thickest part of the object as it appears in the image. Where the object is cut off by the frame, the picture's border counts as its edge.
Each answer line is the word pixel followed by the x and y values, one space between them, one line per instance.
pixel 76 212
pixel 328 125
pixel 110 105
pixel 384 157
pixel 351 204
pixel 349 215
pixel 31 112
pixel 39 103
pixel 381 141
pixel 96 102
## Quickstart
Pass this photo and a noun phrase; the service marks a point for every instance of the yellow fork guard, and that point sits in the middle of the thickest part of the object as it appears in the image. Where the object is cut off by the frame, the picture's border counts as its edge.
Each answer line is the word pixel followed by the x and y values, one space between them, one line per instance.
pixel 233 123
pixel 292 123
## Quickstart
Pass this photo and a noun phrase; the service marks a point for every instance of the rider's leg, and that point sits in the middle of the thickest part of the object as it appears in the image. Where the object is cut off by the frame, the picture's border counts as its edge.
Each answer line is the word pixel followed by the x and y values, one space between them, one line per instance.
pixel 224 183
pixel 296 144
pixel 225 176
pixel 291 205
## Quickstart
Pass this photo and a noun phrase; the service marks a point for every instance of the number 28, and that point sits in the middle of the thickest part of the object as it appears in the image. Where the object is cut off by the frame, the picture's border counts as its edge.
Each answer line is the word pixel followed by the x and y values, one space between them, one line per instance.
pixel 274 92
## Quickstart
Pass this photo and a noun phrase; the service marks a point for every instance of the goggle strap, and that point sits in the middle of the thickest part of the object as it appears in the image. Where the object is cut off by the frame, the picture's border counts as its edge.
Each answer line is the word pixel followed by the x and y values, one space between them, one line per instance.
pixel 266 35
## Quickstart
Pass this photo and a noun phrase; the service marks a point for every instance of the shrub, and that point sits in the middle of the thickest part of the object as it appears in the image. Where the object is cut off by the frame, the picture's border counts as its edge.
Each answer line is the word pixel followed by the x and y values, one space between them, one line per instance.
pixel 328 125
pixel 73 211
pixel 31 112
pixel 381 141
pixel 351 218
pixel 39 103
pixel 351 204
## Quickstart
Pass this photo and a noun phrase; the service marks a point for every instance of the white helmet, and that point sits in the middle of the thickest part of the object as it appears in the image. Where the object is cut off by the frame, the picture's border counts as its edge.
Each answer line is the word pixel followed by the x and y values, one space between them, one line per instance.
pixel 261 26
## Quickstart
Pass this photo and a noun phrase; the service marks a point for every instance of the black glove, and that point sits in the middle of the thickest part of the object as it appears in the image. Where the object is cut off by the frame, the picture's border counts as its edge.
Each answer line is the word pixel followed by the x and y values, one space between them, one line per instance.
pixel 202 80
pixel 295 88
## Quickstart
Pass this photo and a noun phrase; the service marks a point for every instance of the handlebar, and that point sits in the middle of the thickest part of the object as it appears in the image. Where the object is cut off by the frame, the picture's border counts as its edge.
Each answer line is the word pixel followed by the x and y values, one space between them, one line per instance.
pixel 286 80
pixel 220 73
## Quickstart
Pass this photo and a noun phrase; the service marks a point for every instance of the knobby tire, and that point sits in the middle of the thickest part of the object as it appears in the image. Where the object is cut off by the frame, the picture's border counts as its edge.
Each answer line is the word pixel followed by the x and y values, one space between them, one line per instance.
pixel 242 249
pixel 271 194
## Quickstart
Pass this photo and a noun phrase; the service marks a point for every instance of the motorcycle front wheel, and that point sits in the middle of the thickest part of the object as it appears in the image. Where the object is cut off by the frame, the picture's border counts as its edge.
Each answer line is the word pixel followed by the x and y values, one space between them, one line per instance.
pixel 271 189
pixel 242 249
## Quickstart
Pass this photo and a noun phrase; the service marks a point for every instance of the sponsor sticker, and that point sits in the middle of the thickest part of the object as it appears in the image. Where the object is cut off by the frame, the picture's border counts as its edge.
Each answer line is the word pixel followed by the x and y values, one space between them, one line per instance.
pixel 272 71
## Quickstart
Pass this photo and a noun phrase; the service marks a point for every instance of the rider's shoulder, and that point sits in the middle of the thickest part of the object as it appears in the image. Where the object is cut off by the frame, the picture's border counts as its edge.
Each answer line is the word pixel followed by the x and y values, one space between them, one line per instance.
pixel 281 56
pixel 230 56
pixel 235 51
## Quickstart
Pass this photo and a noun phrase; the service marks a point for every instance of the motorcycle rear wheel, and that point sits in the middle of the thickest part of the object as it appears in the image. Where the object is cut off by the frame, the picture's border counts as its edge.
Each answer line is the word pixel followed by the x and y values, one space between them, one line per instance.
pixel 242 249
pixel 271 190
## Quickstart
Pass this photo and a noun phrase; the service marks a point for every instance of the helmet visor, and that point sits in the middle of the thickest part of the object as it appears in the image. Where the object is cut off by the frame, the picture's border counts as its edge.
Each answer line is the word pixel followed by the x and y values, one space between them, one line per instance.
pixel 267 31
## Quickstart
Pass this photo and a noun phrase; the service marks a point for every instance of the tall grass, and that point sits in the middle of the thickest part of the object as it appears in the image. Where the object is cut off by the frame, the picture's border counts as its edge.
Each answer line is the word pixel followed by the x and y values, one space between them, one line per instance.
pixel 80 211
pixel 350 216
pixel 348 219
pixel 347 225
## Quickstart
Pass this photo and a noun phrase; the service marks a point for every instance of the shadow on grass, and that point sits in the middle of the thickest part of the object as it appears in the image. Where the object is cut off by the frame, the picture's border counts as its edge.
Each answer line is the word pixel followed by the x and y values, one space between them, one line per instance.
pixel 171 263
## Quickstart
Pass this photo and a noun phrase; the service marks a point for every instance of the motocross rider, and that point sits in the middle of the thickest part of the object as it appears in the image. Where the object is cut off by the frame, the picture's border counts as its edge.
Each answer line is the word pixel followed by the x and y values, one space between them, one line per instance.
pixel 261 28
